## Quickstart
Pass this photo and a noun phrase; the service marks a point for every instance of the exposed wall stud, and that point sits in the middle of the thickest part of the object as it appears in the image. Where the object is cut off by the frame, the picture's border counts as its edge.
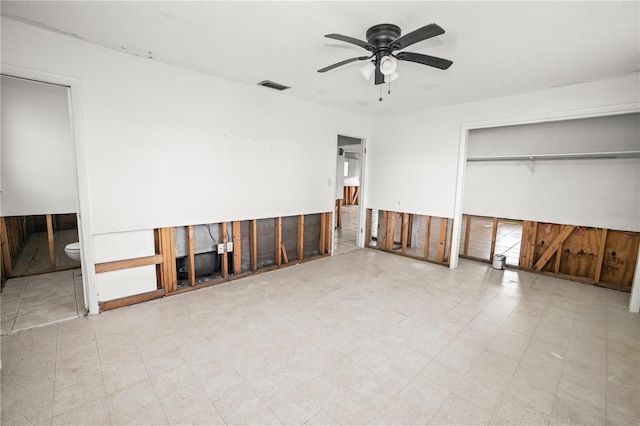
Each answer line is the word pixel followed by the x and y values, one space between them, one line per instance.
pixel 603 243
pixel 225 260
pixel 442 240
pixel 494 234
pixel 427 237
pixel 237 248
pixel 253 241
pixel 404 237
pixel 467 231
pixel 192 256
pixel 52 253
pixel 549 252
pixel 301 237
pixel 6 254
pixel 278 241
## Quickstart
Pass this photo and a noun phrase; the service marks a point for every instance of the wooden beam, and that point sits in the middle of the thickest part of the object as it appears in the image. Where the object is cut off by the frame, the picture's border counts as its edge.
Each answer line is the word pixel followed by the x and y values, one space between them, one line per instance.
pixel 323 233
pixel 128 263
pixel 549 252
pixel 278 241
pixel 225 260
pixel 404 235
pixel 301 237
pixel 329 231
pixel 339 213
pixel 467 231
pixel 427 237
pixel 367 228
pixel 442 240
pixel 52 253
pixel 556 267
pixel 528 244
pixel 390 227
pixel 170 259
pixel 130 300
pixel 191 256
pixel 6 253
pixel 283 249
pixel 494 234
pixel 450 242
pixel 603 242
pixel 237 248
pixel 253 242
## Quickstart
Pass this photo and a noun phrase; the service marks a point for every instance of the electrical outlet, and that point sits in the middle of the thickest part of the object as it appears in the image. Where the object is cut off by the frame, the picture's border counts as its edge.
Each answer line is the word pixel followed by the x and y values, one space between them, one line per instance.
pixel 220 248
pixel 229 247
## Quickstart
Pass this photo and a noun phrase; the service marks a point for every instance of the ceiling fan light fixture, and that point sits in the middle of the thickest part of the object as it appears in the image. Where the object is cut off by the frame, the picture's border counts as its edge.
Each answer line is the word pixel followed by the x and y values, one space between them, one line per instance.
pixel 368 70
pixel 388 65
pixel 391 77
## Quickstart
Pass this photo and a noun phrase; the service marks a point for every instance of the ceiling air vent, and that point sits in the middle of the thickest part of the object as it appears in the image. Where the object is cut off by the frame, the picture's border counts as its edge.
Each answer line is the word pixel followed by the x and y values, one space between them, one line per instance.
pixel 272 85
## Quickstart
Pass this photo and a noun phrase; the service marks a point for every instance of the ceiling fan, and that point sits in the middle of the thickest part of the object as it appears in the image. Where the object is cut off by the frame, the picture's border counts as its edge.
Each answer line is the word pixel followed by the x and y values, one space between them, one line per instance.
pixel 382 41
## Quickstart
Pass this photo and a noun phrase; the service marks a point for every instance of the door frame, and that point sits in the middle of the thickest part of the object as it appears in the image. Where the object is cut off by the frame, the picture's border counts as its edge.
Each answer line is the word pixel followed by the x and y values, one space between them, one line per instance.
pixel 74 90
pixel 362 211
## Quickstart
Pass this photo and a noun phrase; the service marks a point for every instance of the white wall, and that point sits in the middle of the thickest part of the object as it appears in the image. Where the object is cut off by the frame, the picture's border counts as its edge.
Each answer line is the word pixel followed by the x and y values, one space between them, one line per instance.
pixel 601 193
pixel 413 163
pixel 168 147
pixel 37 167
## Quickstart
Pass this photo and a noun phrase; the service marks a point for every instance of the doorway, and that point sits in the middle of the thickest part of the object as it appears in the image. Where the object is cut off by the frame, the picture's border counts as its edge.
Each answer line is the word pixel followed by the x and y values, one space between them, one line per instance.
pixel 349 184
pixel 41 284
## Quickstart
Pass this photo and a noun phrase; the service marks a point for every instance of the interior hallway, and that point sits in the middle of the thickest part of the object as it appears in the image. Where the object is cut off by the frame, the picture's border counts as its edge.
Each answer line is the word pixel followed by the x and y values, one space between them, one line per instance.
pixel 364 337
pixel 346 237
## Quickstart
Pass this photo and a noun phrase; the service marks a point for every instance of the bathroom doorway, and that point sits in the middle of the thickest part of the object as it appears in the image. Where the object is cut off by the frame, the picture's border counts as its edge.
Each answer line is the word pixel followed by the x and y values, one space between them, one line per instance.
pixel 41 283
pixel 349 183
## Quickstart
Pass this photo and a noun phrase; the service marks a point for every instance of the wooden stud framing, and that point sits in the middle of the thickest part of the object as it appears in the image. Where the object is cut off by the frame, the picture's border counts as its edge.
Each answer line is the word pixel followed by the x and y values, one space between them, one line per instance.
pixel 442 240
pixel 283 250
pixel 130 300
pixel 564 234
pixel 237 248
pixel 165 246
pixel 494 234
pixel 278 241
pixel 329 233
pixel 467 231
pixel 528 244
pixel 389 228
pixel 253 241
pixel 52 253
pixel 404 232
pixel 427 237
pixel 603 242
pixel 323 233
pixel 450 243
pixel 301 237
pixel 6 254
pixel 225 260
pixel 191 256
pixel 128 263
pixel 556 267
pixel 339 213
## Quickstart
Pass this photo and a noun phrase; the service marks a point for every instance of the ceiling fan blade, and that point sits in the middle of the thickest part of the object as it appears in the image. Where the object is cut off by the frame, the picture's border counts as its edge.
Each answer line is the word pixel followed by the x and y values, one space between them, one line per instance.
pixel 419 58
pixel 346 61
pixel 352 40
pixel 379 75
pixel 420 34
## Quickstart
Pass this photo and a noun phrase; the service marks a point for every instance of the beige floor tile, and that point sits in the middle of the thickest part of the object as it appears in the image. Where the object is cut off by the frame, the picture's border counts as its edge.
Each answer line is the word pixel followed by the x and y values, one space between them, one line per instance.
pixel 73 396
pixel 403 409
pixel 173 380
pixel 322 418
pixel 137 404
pixel 90 412
pixel 350 408
pixel 567 411
pixel 206 415
pixel 184 402
pixel 297 409
pixel 238 403
pixel 122 375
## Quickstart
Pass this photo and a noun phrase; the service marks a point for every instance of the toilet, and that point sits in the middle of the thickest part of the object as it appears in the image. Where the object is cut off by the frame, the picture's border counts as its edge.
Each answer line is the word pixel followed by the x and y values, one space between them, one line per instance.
pixel 73 251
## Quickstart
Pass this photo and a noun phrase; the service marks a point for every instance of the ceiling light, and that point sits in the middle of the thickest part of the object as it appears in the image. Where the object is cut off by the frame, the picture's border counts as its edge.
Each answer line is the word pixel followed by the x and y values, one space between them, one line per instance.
pixel 368 70
pixel 388 65
pixel 392 77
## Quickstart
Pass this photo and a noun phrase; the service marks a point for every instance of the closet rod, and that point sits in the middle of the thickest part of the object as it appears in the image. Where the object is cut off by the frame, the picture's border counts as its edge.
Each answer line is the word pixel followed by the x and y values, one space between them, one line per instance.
pixel 571 156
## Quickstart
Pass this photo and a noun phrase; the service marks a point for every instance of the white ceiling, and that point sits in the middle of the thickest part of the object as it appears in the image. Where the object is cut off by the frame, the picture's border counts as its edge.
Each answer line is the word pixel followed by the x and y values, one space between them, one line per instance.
pixel 498 48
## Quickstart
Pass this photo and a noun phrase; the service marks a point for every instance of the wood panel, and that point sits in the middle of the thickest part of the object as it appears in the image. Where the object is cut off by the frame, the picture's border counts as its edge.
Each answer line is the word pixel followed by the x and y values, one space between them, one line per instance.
pixel 301 237
pixel 367 227
pixel 389 230
pixel 191 258
pixel 619 259
pixel 601 247
pixel 225 259
pixel 427 237
pixel 580 253
pixel 237 247
pixel 550 249
pixel 128 263
pixel 442 239
pixel 323 233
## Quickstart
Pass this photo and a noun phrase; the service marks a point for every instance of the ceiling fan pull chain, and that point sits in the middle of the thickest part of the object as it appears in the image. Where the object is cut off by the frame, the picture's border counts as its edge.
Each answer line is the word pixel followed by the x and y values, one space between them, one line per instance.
pixel 380 93
pixel 389 89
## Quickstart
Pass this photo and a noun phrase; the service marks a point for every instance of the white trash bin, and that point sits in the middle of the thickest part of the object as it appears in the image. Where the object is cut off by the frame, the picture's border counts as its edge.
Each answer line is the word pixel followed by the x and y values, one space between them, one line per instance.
pixel 499 261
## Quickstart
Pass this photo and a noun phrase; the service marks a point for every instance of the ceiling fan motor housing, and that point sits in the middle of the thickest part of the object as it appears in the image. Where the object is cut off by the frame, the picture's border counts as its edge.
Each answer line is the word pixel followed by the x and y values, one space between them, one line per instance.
pixel 383 35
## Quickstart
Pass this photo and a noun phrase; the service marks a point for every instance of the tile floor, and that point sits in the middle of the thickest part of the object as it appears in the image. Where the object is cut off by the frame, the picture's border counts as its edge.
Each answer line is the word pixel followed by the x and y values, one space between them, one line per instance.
pixel 41 299
pixel 365 337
